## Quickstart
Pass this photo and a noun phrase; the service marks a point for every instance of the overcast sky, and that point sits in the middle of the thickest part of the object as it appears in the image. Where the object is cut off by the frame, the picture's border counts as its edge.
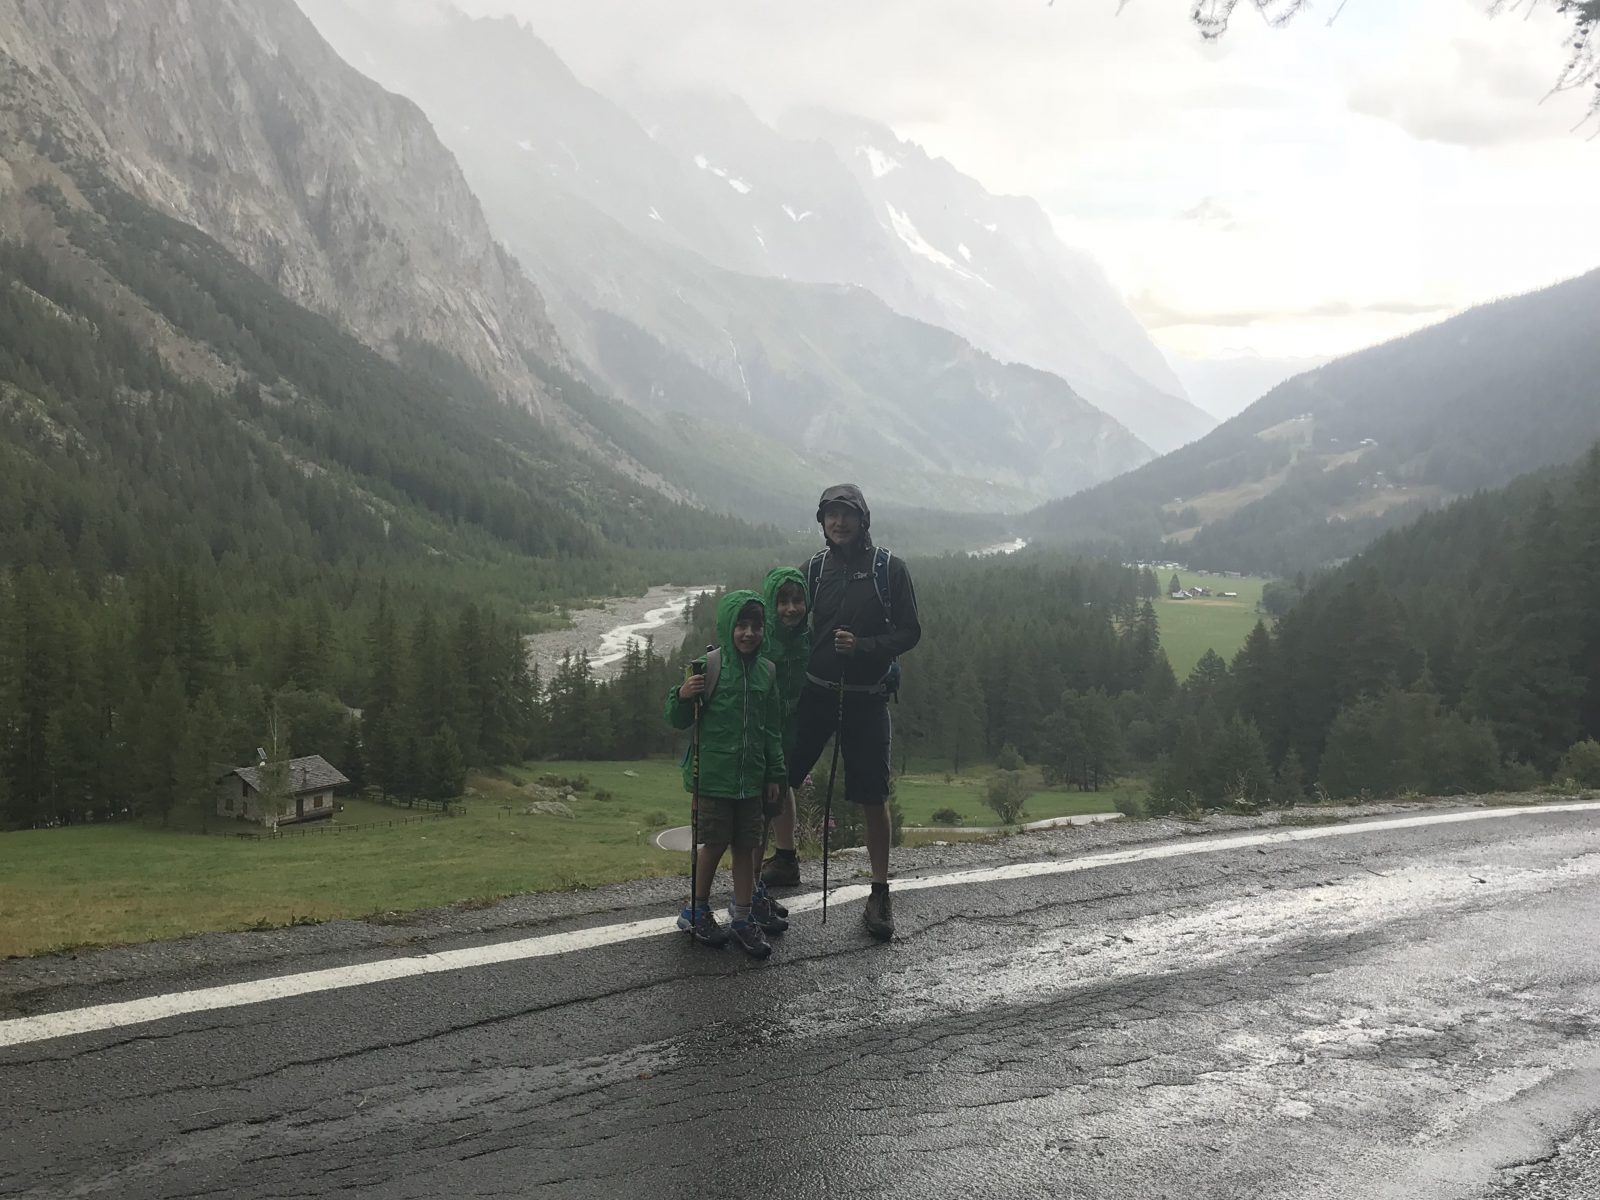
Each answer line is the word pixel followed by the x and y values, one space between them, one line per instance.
pixel 1301 191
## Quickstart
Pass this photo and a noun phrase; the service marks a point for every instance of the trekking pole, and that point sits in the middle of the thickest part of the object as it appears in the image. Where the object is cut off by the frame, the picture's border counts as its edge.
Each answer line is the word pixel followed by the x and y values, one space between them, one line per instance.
pixel 827 804
pixel 694 817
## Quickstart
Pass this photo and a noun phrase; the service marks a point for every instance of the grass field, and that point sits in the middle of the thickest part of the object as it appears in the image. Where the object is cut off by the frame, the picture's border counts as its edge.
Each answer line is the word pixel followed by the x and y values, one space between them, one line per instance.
pixel 1191 627
pixel 113 884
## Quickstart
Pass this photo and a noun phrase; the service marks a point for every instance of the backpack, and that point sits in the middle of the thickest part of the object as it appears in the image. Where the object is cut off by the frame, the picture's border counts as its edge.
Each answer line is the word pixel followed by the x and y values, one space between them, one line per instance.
pixel 880 584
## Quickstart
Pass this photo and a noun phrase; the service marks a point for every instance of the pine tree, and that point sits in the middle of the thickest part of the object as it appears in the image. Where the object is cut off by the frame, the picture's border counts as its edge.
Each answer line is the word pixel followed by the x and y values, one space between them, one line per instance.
pixel 1527 682
pixel 198 759
pixel 1239 764
pixel 72 760
pixel 471 681
pixel 381 720
pixel 1289 788
pixel 159 741
pixel 1253 680
pixel 352 759
pixel 445 775
pixel 963 720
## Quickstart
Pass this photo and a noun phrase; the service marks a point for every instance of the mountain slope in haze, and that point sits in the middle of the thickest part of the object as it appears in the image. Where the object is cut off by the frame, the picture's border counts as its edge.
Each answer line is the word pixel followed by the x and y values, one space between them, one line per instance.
pixel 1227 385
pixel 1326 461
pixel 237 118
pixel 993 269
pixel 152 383
pixel 816 378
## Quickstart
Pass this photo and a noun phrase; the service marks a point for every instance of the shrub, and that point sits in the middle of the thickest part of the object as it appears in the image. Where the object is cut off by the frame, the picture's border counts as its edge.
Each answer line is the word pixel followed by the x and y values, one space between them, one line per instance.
pixel 1008 795
pixel 1519 777
pixel 1581 764
pixel 658 820
pixel 1008 759
pixel 603 794
pixel 947 816
pixel 1130 807
pixel 563 783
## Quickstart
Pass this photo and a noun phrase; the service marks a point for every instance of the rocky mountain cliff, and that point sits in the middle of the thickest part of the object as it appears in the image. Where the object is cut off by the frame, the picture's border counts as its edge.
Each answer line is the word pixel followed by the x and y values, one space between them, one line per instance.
pixel 236 117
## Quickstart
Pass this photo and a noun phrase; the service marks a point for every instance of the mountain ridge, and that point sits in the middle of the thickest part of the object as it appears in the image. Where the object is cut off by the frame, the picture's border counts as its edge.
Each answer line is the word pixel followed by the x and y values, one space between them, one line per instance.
pixel 1328 460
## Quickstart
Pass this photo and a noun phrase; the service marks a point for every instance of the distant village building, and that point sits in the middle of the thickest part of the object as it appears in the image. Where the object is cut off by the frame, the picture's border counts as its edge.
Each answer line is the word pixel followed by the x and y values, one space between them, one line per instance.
pixel 308 792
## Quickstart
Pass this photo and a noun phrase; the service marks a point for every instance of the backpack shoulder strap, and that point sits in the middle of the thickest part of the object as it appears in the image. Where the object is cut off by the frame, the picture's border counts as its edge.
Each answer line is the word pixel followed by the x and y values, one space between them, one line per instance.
pixel 814 574
pixel 769 670
pixel 880 582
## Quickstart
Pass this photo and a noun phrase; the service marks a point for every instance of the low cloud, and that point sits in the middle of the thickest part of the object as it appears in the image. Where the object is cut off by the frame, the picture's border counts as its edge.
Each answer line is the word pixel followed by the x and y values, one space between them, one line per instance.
pixel 1156 314
pixel 1212 214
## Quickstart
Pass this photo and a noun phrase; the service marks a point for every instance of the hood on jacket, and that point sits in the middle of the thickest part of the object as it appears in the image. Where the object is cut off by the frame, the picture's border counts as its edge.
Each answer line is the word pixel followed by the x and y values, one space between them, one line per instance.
pixel 849 493
pixel 846 493
pixel 780 638
pixel 728 613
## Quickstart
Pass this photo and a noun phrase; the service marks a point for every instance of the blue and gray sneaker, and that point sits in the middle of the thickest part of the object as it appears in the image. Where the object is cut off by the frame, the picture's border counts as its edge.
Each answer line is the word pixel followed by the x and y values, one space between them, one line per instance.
pixel 761 893
pixel 764 913
pixel 749 938
pixel 702 923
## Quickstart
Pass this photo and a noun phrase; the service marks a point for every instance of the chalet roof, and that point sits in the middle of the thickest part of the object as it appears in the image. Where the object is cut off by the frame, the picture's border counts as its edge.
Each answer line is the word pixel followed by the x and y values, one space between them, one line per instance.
pixel 312 773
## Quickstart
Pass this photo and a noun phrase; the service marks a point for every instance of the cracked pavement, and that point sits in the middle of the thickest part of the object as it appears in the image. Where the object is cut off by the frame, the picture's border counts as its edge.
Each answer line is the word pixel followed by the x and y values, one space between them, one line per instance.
pixel 1410 1013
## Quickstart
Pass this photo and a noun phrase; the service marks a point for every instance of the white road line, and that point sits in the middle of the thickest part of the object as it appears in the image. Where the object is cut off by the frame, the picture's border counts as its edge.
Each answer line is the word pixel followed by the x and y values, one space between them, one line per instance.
pixel 100 1017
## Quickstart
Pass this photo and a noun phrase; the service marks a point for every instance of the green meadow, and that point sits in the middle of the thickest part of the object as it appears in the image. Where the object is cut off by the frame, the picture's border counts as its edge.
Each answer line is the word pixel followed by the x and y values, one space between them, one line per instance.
pixel 1191 627
pixel 91 885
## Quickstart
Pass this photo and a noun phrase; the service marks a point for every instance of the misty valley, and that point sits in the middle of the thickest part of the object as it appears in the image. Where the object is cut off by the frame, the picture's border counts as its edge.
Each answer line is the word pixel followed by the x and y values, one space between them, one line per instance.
pixel 482 483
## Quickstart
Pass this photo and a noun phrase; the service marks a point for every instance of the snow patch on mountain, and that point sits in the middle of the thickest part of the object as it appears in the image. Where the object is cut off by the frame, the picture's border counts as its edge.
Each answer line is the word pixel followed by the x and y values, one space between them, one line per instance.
pixel 794 216
pixel 961 248
pixel 880 162
pixel 908 233
pixel 738 185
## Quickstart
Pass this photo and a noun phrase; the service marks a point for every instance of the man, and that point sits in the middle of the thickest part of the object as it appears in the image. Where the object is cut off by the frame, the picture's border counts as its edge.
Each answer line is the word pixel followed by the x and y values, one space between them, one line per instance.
pixel 856 633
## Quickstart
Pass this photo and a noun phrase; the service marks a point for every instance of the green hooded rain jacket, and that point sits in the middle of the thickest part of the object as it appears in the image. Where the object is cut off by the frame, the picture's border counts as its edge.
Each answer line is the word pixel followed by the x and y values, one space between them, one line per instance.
pixel 786 649
pixel 741 730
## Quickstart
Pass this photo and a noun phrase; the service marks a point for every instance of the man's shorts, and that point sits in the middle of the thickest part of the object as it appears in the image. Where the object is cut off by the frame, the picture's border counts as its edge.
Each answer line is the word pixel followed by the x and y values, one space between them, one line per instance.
pixel 735 823
pixel 865 736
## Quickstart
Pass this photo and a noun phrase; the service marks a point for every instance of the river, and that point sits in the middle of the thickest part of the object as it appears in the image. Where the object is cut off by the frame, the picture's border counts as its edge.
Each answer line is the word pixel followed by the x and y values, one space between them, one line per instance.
pixel 1010 547
pixel 604 630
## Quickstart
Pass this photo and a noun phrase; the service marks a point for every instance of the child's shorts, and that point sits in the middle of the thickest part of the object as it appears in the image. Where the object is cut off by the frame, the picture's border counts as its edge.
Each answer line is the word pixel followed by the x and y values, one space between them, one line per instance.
pixel 734 822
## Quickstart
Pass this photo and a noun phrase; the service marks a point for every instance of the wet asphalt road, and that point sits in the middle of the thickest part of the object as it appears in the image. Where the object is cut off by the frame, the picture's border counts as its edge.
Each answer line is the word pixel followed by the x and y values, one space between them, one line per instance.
pixel 1409 1013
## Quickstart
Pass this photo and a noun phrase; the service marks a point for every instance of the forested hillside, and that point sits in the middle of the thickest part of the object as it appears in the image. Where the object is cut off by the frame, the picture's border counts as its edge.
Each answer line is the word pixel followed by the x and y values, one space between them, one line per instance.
pixel 1326 462
pixel 1461 654
pixel 181 559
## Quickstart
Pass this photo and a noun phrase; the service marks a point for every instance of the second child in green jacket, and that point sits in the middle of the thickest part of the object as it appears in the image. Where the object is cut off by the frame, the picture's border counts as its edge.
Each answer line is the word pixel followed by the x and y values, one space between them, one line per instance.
pixel 788 648
pixel 740 765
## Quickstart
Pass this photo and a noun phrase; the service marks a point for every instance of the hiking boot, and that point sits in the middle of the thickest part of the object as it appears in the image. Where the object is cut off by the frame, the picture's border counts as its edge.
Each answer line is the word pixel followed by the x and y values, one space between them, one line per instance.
pixel 762 894
pixel 764 913
pixel 702 923
pixel 780 871
pixel 879 916
pixel 748 937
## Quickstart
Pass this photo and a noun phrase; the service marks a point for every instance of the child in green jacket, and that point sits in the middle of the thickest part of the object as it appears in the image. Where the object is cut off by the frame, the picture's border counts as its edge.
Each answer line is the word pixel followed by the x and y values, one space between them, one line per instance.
pixel 739 758
pixel 788 647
